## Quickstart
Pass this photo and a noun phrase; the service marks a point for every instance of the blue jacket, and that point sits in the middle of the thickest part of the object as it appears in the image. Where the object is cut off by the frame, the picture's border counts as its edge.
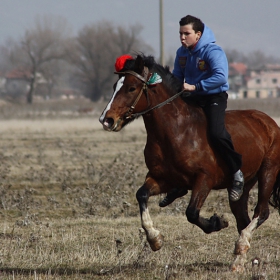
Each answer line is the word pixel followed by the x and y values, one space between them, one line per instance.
pixel 204 66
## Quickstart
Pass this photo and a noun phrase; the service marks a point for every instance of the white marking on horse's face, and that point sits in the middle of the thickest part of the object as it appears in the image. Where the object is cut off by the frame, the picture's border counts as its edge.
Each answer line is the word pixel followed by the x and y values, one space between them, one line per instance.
pixel 118 87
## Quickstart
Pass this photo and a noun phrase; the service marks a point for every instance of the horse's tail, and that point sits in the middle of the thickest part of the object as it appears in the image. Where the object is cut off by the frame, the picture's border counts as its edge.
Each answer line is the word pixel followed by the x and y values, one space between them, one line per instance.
pixel 275 196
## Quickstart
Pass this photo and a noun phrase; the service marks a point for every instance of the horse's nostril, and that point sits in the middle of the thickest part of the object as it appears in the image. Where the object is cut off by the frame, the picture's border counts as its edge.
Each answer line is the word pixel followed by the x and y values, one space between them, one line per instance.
pixel 108 122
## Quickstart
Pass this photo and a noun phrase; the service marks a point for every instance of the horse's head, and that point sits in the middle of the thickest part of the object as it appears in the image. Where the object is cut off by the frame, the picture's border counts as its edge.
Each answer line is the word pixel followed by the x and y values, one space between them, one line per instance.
pixel 128 97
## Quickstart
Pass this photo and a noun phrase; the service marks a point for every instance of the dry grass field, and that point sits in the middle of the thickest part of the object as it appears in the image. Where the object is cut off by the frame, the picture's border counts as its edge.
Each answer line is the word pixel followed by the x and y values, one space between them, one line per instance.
pixel 68 208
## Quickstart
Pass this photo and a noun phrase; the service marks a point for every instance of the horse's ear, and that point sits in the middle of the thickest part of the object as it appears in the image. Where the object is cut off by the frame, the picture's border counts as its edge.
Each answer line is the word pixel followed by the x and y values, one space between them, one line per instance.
pixel 139 65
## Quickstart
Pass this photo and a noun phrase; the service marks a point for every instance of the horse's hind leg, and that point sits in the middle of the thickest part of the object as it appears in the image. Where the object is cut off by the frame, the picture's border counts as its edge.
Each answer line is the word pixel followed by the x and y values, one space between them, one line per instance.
pixel 266 182
pixel 154 237
pixel 243 245
pixel 240 208
pixel 244 226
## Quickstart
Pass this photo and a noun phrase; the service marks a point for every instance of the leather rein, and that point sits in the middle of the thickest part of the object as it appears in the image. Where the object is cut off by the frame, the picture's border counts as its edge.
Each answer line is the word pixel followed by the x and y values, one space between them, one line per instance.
pixel 129 114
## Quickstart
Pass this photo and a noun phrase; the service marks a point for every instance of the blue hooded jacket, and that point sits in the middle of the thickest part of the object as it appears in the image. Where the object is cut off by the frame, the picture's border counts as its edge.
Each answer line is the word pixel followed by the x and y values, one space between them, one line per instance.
pixel 204 66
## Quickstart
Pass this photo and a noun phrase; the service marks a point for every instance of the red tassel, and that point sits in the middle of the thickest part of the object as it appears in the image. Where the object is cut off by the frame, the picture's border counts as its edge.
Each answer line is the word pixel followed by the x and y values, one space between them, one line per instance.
pixel 120 61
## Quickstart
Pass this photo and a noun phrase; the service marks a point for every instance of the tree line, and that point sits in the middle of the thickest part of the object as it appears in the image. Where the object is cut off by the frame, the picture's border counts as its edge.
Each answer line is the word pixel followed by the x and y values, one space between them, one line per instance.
pixel 83 62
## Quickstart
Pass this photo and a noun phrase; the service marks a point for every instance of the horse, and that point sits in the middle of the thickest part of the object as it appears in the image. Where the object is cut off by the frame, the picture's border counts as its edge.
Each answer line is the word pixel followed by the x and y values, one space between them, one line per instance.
pixel 179 155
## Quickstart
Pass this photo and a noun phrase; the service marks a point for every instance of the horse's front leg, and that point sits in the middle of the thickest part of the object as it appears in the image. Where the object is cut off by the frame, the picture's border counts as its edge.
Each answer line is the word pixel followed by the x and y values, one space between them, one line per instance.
pixel 199 194
pixel 154 237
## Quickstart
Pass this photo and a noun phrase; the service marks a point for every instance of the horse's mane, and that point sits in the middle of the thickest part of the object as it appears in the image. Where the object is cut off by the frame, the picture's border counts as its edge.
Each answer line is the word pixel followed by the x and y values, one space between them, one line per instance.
pixel 167 77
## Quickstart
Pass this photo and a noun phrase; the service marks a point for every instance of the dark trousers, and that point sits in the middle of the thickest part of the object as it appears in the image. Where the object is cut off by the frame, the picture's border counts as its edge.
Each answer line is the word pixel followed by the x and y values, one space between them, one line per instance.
pixel 214 107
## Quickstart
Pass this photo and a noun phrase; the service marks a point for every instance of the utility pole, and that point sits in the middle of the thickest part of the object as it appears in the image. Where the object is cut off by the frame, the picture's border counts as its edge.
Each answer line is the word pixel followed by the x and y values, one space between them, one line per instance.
pixel 162 62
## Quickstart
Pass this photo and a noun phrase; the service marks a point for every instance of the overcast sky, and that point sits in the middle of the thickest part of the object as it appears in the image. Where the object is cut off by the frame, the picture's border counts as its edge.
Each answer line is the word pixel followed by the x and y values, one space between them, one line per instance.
pixel 244 25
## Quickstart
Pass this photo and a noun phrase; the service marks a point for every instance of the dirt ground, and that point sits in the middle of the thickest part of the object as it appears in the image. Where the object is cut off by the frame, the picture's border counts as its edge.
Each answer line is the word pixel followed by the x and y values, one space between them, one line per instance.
pixel 68 207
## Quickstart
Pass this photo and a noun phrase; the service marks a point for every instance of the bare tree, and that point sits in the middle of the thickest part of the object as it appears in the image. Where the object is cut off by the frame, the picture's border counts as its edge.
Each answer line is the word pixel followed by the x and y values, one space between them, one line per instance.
pixel 128 40
pixel 43 44
pixel 234 55
pixel 11 55
pixel 258 59
pixel 95 50
pixel 5 63
pixel 254 60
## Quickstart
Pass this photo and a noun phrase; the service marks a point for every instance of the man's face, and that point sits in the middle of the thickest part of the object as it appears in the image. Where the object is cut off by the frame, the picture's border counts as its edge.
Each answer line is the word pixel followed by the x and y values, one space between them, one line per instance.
pixel 188 37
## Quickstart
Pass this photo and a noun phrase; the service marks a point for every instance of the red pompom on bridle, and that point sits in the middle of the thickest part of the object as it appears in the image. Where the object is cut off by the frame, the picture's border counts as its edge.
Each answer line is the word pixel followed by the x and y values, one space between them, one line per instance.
pixel 120 62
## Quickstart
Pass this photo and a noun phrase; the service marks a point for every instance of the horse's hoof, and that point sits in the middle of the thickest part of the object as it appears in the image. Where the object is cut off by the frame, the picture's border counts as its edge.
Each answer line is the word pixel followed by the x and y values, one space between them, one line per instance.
pixel 156 242
pixel 218 223
pixel 224 222
pixel 241 249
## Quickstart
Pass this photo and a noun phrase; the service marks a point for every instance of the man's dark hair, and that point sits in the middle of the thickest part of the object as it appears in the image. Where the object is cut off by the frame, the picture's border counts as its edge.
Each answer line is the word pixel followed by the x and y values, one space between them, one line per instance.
pixel 196 23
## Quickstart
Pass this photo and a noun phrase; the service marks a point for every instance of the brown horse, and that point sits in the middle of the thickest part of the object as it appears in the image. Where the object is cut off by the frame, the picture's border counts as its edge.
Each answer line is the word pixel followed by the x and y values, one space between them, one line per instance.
pixel 179 156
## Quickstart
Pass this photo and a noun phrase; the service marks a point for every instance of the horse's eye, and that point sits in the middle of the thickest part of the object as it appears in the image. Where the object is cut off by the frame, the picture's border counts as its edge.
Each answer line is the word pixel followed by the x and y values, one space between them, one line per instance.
pixel 131 89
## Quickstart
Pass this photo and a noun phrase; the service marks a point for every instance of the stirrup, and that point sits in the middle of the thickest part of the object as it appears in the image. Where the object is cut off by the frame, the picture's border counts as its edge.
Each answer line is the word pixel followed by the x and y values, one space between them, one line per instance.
pixel 236 190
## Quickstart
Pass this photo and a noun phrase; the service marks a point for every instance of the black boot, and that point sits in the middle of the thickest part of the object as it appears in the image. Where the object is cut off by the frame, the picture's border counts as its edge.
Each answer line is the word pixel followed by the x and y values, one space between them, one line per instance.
pixel 171 196
pixel 237 186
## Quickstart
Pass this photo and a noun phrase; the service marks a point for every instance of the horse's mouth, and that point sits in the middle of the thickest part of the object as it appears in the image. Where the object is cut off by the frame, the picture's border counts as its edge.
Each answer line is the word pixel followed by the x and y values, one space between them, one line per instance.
pixel 109 124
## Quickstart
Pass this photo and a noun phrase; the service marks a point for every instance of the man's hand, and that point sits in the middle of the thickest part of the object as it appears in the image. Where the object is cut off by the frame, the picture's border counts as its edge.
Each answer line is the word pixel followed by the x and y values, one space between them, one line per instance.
pixel 188 87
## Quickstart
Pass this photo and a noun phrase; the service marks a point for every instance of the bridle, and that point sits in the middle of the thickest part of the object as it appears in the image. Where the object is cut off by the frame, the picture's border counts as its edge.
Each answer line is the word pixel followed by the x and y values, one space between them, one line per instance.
pixel 144 79
pixel 129 114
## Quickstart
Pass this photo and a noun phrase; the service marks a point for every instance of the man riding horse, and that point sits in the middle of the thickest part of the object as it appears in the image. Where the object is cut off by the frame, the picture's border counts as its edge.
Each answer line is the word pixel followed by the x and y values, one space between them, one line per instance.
pixel 202 67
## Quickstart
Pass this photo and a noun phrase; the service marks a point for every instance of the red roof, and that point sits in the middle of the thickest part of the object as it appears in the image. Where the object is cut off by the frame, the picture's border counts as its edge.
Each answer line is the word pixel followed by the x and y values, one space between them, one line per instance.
pixel 18 74
pixel 237 68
